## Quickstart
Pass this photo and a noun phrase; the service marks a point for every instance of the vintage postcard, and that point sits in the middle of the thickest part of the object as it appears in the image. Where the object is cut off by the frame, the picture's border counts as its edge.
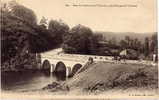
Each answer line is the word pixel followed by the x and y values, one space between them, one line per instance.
pixel 79 49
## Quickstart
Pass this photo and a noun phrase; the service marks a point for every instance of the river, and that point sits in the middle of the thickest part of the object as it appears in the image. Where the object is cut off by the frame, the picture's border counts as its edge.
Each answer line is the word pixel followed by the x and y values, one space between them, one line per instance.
pixel 25 81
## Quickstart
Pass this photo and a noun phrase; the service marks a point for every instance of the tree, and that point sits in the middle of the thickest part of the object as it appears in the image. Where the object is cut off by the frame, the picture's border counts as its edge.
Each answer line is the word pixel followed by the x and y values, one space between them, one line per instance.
pixel 23 12
pixel 134 43
pixel 43 21
pixel 153 43
pixel 139 47
pixel 94 43
pixel 79 39
pixel 127 39
pixel 146 46
pixel 14 39
pixel 58 29
pixel 123 44
pixel 112 43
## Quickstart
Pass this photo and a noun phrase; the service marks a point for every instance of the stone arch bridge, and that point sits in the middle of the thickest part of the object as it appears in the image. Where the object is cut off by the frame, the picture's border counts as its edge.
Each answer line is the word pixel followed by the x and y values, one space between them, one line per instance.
pixel 69 64
pixel 72 62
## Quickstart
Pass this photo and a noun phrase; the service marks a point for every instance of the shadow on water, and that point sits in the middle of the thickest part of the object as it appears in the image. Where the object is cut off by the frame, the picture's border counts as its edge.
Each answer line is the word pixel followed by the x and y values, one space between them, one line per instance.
pixel 25 80
pixel 32 79
pixel 46 72
pixel 60 71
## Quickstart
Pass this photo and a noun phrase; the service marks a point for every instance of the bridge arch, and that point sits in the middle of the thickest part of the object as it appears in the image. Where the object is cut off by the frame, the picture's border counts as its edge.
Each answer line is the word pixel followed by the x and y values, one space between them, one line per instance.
pixel 75 68
pixel 60 71
pixel 46 65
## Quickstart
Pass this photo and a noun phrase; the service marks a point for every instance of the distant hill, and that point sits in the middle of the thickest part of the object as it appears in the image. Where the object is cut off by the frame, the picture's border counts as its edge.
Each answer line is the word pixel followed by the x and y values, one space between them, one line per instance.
pixel 121 35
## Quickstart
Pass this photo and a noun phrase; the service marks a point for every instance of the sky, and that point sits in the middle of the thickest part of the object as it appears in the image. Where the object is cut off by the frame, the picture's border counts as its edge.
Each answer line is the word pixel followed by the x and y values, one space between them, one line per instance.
pixel 140 19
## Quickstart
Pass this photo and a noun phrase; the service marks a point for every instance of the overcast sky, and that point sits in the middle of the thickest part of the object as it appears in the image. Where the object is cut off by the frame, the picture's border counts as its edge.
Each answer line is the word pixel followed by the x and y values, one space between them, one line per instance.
pixel 128 19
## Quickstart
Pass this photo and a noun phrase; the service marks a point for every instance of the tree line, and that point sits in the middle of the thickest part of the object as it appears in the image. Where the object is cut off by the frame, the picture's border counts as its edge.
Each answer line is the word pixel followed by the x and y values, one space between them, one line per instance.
pixel 82 40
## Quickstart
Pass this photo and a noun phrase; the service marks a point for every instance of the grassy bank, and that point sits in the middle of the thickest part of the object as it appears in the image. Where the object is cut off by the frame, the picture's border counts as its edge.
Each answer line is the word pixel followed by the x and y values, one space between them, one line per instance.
pixel 103 76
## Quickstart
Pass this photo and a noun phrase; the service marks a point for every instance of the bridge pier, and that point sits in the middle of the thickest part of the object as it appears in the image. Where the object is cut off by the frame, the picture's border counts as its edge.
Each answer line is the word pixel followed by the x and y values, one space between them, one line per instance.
pixel 52 68
pixel 68 71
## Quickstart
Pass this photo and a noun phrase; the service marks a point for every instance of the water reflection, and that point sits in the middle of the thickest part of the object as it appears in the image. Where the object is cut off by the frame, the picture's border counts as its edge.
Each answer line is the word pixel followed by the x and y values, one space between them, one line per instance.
pixel 25 80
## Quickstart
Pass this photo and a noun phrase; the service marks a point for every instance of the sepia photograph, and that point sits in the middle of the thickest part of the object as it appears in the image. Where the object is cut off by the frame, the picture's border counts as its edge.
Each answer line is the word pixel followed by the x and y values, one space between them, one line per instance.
pixel 79 49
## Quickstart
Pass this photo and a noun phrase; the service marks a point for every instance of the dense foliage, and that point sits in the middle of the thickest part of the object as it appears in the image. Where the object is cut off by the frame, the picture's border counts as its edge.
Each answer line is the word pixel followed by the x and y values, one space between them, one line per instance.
pixel 81 40
pixel 58 30
pixel 22 37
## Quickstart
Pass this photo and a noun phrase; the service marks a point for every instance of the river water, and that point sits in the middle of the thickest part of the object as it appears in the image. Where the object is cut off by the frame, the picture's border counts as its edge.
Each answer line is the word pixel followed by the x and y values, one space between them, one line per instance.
pixel 25 80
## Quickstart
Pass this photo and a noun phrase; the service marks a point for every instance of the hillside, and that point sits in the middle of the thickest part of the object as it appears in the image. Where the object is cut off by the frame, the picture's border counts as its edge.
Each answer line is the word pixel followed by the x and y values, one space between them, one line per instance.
pixel 103 76
pixel 121 35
